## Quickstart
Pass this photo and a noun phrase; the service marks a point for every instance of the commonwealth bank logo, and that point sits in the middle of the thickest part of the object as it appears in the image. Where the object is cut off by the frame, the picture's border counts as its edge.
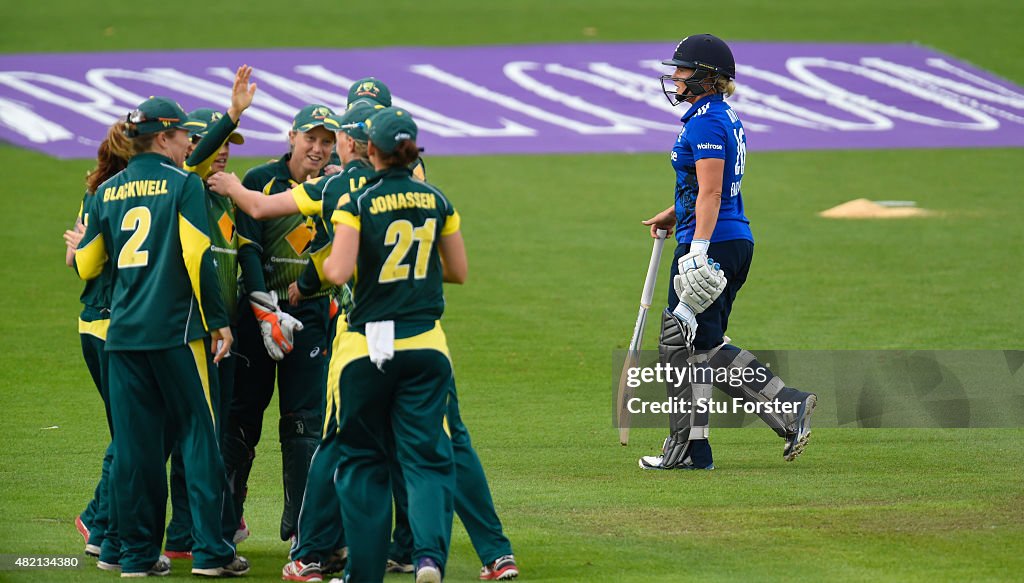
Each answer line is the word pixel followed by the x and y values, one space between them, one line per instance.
pixel 300 237
pixel 226 226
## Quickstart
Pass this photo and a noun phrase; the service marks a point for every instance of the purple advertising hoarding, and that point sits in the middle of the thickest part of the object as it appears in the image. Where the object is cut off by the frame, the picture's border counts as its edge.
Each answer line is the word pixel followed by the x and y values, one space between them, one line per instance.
pixel 532 98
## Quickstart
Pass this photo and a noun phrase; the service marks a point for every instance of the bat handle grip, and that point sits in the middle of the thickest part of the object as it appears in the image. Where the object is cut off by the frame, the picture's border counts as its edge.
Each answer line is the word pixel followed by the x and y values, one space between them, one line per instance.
pixel 652 269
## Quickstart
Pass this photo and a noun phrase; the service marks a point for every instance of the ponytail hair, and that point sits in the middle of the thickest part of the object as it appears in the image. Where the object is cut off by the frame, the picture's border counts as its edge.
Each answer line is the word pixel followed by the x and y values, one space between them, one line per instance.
pixel 405 154
pixel 725 86
pixel 111 157
pixel 360 148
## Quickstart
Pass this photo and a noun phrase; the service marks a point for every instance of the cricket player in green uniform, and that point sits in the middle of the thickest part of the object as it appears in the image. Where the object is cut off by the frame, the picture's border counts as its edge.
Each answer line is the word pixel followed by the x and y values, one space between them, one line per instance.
pixel 390 369
pixel 111 157
pixel 276 339
pixel 212 132
pixel 473 502
pixel 319 536
pixel 151 225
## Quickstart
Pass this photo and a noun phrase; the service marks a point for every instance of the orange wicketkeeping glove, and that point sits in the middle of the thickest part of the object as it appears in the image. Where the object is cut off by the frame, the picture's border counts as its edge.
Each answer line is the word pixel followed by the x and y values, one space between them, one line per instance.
pixel 277 327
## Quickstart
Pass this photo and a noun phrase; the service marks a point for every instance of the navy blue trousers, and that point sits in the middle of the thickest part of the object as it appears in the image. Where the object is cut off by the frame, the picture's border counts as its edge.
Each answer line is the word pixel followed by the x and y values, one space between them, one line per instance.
pixel 734 257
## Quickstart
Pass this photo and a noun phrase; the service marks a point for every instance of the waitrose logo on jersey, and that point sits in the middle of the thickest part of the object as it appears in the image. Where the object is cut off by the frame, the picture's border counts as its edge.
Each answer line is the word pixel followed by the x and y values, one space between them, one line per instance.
pixel 531 99
pixel 710 147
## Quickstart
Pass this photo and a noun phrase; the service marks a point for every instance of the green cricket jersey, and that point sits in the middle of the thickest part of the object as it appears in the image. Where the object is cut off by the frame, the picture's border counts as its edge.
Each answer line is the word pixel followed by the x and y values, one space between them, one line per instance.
pixel 223 235
pixel 224 246
pixel 398 272
pixel 273 252
pixel 151 224
pixel 96 294
pixel 318 198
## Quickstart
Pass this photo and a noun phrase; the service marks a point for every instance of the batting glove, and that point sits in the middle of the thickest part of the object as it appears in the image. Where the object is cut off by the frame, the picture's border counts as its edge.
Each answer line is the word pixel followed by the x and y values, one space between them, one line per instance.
pixel 699 288
pixel 697 257
pixel 278 328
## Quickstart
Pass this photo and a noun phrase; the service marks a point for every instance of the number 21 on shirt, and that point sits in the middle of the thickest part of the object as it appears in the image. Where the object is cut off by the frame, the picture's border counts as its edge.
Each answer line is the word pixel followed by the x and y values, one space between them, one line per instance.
pixel 401 235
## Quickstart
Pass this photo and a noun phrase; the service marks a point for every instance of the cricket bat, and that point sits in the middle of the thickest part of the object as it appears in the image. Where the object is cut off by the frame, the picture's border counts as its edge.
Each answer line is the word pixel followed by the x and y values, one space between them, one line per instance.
pixel 624 393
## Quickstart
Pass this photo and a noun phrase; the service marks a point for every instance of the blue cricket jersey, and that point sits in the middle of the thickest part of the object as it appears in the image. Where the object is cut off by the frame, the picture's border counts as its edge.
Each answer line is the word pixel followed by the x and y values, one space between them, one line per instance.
pixel 711 130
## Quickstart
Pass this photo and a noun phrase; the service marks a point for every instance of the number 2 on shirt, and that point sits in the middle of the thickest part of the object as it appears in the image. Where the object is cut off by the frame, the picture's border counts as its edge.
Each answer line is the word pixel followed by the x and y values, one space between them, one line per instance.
pixel 137 219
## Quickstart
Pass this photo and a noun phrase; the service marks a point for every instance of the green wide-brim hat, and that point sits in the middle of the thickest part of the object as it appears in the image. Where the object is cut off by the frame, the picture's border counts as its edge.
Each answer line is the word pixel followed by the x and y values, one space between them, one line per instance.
pixel 153 115
pixel 201 120
pixel 389 127
pixel 353 121
pixel 369 90
pixel 315 115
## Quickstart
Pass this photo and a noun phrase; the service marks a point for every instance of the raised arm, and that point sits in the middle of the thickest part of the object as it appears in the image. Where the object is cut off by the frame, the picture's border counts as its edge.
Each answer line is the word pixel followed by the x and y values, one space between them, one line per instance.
pixel 206 150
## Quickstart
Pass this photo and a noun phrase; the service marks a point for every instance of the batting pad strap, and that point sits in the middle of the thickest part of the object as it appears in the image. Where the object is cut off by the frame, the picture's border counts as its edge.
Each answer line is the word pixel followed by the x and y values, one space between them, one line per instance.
pixel 773 387
pixel 771 419
pixel 699 358
pixel 714 351
pixel 742 359
pixel 700 420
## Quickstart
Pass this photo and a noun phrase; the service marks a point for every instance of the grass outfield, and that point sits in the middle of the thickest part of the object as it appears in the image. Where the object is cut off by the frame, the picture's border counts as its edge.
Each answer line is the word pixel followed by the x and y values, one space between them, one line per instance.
pixel 556 263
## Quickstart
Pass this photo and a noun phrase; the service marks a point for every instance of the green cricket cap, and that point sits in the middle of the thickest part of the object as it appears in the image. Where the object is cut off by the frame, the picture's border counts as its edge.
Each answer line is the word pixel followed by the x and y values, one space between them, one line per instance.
pixel 201 120
pixel 369 90
pixel 153 115
pixel 390 126
pixel 353 121
pixel 315 115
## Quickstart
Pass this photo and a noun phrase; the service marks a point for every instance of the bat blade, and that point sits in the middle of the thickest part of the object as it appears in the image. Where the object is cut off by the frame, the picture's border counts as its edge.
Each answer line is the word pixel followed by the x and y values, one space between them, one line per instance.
pixel 624 392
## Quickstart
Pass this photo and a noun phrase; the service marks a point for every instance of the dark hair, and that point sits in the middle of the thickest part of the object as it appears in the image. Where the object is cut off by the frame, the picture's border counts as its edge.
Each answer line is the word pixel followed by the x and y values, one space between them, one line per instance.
pixel 406 153
pixel 111 157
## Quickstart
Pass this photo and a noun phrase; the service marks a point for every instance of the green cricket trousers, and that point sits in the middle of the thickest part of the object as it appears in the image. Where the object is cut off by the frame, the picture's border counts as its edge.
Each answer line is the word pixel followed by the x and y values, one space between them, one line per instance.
pixel 395 412
pixel 157 395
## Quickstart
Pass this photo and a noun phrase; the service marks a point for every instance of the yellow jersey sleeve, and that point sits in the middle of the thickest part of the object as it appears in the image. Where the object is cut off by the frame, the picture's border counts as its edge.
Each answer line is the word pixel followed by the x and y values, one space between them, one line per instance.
pixel 343 217
pixel 307 205
pixel 452 223
pixel 89 258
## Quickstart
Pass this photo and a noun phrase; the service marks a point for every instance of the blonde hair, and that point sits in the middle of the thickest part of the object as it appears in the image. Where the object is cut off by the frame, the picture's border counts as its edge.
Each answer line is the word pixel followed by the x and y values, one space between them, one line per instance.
pixel 360 148
pixel 725 86
pixel 144 143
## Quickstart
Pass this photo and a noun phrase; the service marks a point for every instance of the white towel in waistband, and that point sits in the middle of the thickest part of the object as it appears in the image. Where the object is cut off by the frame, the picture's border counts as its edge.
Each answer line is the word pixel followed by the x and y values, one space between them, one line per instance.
pixel 380 341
